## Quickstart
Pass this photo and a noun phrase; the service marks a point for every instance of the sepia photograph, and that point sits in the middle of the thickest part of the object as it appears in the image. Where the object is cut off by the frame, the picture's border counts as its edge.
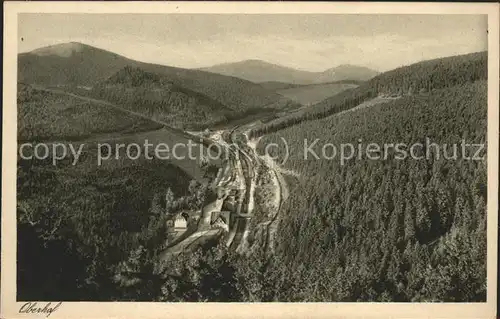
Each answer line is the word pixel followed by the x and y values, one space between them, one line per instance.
pixel 247 158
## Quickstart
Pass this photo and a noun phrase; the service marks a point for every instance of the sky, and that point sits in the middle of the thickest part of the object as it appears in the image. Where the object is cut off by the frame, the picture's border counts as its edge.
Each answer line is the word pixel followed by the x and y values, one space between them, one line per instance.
pixel 311 42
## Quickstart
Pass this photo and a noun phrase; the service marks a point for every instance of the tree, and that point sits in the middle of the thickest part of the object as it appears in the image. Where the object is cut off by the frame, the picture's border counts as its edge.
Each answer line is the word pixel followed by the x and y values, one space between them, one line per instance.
pixel 169 201
pixel 409 222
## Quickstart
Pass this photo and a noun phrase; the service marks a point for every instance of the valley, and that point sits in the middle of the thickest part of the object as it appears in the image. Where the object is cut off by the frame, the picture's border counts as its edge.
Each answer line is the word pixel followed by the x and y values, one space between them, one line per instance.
pixel 312 94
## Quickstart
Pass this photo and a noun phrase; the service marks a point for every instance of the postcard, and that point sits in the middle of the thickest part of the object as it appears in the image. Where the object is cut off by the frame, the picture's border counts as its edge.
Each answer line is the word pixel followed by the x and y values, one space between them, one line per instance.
pixel 250 160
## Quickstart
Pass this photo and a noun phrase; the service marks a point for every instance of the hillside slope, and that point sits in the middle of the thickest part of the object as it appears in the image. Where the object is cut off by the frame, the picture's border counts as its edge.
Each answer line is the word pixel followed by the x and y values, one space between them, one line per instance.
pixel 78 223
pixel 47 116
pixel 84 65
pixel 386 228
pixel 156 97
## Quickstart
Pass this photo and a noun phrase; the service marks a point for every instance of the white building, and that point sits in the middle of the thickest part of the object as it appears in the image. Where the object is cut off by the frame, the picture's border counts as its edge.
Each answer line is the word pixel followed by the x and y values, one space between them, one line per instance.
pixel 180 224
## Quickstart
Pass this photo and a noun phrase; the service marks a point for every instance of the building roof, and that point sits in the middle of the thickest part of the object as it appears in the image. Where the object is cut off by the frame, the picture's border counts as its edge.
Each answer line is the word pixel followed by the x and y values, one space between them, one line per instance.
pixel 180 222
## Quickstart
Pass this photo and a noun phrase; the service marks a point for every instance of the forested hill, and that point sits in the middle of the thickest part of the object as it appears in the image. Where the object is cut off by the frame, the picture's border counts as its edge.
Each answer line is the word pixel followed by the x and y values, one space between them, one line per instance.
pixel 386 229
pixel 389 228
pixel 432 74
pixel 84 65
pixel 418 78
pixel 155 96
pixel 46 116
pixel 135 77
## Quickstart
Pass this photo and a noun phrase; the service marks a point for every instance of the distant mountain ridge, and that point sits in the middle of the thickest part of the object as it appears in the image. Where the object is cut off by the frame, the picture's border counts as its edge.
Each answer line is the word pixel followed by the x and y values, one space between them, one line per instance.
pixel 64 50
pixel 80 64
pixel 261 71
pixel 346 72
pixel 314 93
